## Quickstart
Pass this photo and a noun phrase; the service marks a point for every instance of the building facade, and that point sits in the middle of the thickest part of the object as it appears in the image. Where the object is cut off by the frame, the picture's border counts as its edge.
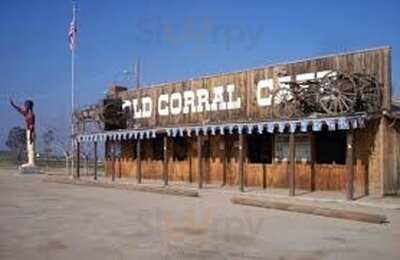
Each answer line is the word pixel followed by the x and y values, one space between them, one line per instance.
pixel 324 123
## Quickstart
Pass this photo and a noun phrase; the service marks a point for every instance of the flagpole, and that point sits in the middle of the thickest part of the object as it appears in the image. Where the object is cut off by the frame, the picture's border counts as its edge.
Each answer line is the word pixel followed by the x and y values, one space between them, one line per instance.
pixel 72 94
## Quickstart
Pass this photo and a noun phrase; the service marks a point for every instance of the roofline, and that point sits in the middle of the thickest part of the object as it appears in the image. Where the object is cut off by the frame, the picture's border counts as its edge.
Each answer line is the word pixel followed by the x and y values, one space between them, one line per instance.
pixel 205 76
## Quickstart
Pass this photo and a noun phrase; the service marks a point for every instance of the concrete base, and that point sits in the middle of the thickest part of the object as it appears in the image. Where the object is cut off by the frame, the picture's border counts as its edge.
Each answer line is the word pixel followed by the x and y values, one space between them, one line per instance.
pixel 29 169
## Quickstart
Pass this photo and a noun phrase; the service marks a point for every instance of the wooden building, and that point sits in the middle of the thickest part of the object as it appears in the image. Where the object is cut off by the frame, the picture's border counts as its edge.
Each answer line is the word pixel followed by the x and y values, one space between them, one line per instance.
pixel 236 129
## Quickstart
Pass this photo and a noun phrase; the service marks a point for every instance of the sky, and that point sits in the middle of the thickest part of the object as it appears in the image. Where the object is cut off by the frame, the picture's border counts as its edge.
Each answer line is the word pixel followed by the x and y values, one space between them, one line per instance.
pixel 174 40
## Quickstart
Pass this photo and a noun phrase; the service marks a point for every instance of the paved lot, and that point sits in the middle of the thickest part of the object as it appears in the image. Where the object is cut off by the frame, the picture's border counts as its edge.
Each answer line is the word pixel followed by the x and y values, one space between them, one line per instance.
pixel 46 221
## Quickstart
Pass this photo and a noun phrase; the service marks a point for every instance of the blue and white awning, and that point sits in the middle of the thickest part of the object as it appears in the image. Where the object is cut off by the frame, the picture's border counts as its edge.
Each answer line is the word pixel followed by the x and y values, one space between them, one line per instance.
pixel 292 126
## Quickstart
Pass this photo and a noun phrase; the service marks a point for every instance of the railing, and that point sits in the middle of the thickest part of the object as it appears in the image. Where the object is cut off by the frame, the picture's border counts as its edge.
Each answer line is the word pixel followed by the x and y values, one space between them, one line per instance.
pixel 61 165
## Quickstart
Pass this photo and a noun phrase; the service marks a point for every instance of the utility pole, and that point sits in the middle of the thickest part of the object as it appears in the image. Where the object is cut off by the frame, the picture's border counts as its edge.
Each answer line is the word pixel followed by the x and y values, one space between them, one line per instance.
pixel 136 72
pixel 72 43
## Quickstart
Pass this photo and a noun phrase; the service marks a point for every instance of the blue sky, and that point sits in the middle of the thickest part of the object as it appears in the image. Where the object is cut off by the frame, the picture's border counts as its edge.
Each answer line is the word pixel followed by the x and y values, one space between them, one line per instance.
pixel 174 39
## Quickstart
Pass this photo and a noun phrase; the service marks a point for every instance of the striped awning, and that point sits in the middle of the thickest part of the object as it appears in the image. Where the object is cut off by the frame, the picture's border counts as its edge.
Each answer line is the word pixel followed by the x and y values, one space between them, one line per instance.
pixel 292 126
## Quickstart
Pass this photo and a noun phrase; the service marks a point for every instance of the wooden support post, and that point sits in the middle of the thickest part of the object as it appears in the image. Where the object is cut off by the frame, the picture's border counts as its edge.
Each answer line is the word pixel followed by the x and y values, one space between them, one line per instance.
pixel 119 166
pixel 312 161
pixel 224 161
pixel 264 179
pixel 190 153
pixel 113 160
pixel 241 163
pixel 200 160
pixel 95 160
pixel 78 165
pixel 349 166
pixel 172 158
pixel 292 165
pixel 139 161
pixel 165 163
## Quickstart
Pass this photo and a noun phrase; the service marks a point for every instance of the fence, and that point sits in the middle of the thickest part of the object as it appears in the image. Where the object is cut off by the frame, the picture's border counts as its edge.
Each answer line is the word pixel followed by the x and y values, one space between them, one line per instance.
pixel 61 165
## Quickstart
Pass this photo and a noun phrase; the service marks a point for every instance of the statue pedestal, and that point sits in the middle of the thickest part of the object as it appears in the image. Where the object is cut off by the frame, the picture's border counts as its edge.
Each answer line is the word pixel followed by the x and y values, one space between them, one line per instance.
pixel 29 169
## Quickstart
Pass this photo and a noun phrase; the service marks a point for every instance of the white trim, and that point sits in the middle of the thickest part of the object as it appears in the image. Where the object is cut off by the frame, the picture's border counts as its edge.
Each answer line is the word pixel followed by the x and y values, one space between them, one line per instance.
pixel 333 123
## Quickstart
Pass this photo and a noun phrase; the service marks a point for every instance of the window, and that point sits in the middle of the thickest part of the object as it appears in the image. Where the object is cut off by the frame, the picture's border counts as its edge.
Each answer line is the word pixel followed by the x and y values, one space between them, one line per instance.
pixel 158 148
pixel 108 150
pixel 118 149
pixel 259 148
pixel 127 149
pixel 330 147
pixel 113 148
pixel 180 149
pixel 303 151
pixel 132 146
pixel 206 148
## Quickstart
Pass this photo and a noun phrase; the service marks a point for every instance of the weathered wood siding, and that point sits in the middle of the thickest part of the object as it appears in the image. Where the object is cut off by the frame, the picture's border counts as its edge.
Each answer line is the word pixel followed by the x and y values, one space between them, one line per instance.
pixel 375 62
pixel 328 177
pixel 376 147
pixel 376 151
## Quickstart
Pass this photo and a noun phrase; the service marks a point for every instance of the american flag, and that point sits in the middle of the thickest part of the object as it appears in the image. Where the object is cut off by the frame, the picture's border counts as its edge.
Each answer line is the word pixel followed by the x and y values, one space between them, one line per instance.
pixel 72 34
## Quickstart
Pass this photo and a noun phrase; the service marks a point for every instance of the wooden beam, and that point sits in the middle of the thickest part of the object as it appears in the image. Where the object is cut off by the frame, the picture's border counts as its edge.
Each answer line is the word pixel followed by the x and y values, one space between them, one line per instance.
pixel 200 159
pixel 169 190
pixel 139 160
pixel 241 163
pixel 165 162
pixel 292 165
pixel 95 160
pixel 78 161
pixel 310 209
pixel 313 156
pixel 349 165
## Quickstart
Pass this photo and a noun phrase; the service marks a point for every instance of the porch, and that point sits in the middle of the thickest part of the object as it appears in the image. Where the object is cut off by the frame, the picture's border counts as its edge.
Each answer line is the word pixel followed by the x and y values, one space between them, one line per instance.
pixel 247 155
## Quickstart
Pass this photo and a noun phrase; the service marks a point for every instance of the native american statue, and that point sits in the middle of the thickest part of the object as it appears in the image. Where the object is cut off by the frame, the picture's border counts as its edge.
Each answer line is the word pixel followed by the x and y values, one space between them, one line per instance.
pixel 27 112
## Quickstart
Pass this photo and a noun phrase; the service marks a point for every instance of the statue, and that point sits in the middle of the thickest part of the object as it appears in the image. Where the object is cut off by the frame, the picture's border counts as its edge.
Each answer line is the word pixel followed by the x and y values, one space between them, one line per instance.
pixel 27 112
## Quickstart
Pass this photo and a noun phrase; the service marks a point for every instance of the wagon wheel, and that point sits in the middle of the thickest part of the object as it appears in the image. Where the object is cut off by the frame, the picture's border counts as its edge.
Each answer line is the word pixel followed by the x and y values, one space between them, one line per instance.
pixel 370 96
pixel 307 97
pixel 284 104
pixel 338 94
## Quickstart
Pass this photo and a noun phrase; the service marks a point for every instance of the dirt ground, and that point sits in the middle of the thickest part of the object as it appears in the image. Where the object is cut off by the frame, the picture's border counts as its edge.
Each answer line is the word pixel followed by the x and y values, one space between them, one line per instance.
pixel 40 220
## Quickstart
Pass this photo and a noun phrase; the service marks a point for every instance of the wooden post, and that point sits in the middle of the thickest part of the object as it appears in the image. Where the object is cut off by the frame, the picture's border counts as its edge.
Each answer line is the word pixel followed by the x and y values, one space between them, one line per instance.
pixel 87 165
pixel 292 165
pixel 349 166
pixel 312 161
pixel 190 153
pixel 200 160
pixel 119 166
pixel 139 161
pixel 264 179
pixel 95 160
pixel 241 163
pixel 225 163
pixel 113 160
pixel 165 163
pixel 78 165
